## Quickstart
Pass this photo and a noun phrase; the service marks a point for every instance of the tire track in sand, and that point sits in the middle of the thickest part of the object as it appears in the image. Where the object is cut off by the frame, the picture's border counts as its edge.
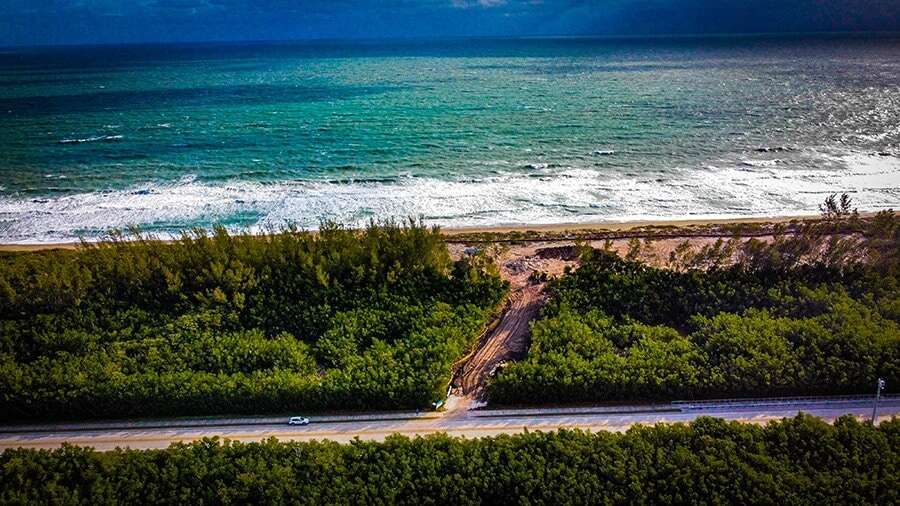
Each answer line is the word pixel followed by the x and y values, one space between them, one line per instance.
pixel 507 341
pixel 509 338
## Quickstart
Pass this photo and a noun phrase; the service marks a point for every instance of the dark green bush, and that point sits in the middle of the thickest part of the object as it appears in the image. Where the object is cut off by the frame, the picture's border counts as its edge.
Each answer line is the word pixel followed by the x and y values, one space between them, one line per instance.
pixel 238 323
pixel 795 461
pixel 622 330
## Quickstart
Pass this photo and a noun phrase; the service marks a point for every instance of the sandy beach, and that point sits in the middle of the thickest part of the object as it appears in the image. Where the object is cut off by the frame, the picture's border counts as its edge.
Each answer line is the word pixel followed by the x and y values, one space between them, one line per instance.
pixel 560 228
pixel 629 225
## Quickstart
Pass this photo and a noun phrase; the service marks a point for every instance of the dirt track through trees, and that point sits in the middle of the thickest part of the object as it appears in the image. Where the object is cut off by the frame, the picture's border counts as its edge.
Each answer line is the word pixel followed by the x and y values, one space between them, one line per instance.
pixel 508 338
pixel 527 265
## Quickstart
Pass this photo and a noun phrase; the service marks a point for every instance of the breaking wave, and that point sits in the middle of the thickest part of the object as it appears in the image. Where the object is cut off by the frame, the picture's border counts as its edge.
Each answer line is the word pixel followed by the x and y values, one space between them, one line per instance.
pixel 566 195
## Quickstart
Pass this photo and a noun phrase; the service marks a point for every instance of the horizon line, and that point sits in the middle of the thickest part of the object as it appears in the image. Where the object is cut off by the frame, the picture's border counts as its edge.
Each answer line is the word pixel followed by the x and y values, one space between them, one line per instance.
pixel 401 39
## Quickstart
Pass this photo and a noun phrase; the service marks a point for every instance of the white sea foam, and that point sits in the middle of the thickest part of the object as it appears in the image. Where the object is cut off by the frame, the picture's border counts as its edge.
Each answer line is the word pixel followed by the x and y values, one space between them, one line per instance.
pixel 760 163
pixel 99 138
pixel 880 136
pixel 566 195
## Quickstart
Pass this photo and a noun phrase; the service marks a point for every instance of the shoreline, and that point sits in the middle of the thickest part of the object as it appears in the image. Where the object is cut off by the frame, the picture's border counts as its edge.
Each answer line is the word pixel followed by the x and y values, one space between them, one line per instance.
pixel 619 226
pixel 460 234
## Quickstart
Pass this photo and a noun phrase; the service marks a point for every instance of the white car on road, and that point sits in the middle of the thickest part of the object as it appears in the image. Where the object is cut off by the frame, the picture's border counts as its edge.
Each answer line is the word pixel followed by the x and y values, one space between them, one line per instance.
pixel 298 420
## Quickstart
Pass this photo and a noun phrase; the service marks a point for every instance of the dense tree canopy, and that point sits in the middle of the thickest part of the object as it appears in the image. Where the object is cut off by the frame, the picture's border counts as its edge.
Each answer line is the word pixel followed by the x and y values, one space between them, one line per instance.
pixel 796 461
pixel 238 323
pixel 807 314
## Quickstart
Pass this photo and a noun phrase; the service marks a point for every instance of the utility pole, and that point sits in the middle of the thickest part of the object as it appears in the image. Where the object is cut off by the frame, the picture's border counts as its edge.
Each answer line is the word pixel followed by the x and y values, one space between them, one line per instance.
pixel 879 386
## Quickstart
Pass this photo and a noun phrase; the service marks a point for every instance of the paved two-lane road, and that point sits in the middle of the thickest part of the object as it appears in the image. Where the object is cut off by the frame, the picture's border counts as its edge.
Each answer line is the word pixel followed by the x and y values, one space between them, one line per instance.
pixel 468 423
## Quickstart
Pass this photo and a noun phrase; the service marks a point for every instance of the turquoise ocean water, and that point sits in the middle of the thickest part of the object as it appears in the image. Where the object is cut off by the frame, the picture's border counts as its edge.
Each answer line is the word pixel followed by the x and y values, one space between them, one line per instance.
pixel 461 133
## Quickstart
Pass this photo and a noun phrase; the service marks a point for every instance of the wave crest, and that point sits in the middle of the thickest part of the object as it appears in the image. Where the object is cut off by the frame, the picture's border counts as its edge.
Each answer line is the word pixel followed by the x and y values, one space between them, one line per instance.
pixel 503 198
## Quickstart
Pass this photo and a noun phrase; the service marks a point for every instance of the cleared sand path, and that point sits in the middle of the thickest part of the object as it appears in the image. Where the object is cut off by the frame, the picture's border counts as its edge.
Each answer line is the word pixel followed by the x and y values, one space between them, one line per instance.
pixel 508 340
pixel 527 270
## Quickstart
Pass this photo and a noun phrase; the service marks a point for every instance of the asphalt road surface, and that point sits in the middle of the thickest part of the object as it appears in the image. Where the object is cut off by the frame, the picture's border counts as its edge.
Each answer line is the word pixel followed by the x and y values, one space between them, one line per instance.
pixel 461 422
